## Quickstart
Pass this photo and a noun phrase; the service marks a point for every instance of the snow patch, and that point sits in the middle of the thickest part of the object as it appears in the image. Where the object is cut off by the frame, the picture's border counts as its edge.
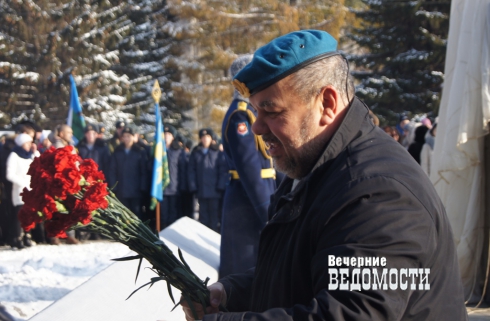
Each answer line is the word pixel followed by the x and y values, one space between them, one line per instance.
pixel 33 278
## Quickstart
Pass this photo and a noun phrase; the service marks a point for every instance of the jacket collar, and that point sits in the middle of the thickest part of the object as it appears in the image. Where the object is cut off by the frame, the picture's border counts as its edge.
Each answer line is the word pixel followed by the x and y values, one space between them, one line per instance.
pixel 348 130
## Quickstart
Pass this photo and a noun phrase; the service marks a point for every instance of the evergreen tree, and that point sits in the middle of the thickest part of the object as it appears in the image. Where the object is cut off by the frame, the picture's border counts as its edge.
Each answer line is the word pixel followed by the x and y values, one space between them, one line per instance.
pixel 147 53
pixel 401 64
pixel 116 49
pixel 214 32
pixel 44 42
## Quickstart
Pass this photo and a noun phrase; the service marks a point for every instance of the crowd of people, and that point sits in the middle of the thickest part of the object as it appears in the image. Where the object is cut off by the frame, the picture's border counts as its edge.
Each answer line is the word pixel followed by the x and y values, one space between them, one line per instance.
pixel 198 175
pixel 417 136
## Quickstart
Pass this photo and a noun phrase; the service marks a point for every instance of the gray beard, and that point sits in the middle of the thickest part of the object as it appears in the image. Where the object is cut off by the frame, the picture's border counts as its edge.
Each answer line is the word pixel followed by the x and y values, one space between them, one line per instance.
pixel 310 151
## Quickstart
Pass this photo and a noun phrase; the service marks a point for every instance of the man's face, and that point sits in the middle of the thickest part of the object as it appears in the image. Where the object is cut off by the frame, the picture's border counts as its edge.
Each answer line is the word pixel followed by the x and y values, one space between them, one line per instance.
pixel 127 139
pixel 290 127
pixel 91 136
pixel 67 134
pixel 206 141
pixel 169 138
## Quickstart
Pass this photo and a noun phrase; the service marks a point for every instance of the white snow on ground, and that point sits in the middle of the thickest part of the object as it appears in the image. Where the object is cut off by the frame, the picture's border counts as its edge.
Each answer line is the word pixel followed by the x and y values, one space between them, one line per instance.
pixel 33 278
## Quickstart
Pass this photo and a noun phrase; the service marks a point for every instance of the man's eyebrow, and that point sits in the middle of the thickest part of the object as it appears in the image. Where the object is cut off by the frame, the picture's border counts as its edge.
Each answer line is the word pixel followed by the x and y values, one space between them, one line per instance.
pixel 266 103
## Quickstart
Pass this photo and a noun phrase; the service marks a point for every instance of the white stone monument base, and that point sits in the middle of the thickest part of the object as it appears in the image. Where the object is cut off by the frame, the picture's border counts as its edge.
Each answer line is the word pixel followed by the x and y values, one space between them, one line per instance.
pixel 103 297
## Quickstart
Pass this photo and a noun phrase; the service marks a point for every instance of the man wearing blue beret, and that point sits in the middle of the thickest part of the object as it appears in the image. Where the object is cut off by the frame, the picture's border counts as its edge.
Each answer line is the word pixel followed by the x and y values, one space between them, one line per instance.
pixel 356 231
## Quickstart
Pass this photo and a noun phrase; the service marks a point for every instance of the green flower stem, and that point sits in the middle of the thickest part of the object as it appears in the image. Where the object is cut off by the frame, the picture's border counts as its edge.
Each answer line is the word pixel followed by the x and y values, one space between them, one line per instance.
pixel 119 224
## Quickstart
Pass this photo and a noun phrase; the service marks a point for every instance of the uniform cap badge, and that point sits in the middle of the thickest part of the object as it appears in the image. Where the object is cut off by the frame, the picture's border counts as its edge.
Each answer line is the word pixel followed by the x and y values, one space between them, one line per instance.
pixel 241 87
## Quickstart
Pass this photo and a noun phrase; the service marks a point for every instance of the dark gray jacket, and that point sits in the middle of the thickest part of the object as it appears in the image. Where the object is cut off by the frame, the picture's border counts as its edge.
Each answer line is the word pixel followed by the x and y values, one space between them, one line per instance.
pixel 365 198
pixel 207 174
pixel 129 171
pixel 175 168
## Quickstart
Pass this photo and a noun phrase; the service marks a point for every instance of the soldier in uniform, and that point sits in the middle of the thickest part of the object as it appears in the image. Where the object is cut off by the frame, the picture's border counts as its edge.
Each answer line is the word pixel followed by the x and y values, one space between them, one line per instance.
pixel 207 178
pixel 94 148
pixel 101 132
pixel 171 207
pixel 128 167
pixel 186 196
pixel 115 140
pixel 252 181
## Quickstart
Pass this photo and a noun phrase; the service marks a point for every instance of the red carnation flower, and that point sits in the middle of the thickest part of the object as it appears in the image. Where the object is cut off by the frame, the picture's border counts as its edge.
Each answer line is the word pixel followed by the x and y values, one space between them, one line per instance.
pixel 90 171
pixel 28 217
pixel 57 226
pixel 96 194
pixel 68 180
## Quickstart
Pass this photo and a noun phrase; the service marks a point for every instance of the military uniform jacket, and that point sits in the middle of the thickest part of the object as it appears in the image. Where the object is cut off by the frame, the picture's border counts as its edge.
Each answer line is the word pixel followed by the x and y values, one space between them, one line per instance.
pixel 99 153
pixel 242 155
pixel 175 168
pixel 129 170
pixel 365 197
pixel 207 173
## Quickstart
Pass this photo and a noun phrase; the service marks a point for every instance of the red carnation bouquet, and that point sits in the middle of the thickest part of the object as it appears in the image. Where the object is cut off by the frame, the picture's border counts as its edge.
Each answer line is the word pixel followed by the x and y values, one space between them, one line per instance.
pixel 68 192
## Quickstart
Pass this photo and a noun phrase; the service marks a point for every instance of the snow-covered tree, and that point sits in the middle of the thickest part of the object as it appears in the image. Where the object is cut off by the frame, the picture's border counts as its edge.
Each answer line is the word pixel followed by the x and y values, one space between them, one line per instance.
pixel 212 34
pixel 117 49
pixel 104 44
pixel 401 64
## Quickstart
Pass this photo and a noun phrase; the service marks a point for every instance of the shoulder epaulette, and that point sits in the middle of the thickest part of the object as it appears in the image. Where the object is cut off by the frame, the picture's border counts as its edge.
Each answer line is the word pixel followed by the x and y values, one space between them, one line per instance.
pixel 259 142
pixel 242 106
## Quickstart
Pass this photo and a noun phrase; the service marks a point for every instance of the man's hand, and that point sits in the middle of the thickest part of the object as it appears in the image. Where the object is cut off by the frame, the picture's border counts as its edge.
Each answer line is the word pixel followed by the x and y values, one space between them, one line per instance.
pixel 217 296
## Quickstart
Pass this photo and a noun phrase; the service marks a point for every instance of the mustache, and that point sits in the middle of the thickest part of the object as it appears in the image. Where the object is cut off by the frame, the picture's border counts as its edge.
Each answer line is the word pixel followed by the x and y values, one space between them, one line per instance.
pixel 270 138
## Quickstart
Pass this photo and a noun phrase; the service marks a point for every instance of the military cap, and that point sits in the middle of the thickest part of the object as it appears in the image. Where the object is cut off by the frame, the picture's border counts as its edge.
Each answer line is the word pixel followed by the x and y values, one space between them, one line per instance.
pixel 31 124
pixel 170 129
pixel 101 129
pixel 189 144
pixel 206 131
pixel 283 56
pixel 127 130
pixel 120 123
pixel 90 127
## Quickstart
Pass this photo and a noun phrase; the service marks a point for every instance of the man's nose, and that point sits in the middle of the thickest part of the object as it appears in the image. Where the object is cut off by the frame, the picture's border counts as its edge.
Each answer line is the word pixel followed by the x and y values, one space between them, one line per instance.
pixel 259 127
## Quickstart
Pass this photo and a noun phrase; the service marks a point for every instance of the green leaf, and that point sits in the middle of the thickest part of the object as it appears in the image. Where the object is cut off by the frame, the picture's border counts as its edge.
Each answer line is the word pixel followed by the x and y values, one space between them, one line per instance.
pixel 170 292
pixel 156 279
pixel 138 270
pixel 176 305
pixel 182 272
pixel 139 289
pixel 128 258
pixel 182 258
pixel 60 207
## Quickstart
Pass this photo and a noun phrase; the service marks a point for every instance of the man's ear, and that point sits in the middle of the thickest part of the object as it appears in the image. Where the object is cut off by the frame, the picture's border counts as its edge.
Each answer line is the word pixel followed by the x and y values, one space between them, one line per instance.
pixel 330 105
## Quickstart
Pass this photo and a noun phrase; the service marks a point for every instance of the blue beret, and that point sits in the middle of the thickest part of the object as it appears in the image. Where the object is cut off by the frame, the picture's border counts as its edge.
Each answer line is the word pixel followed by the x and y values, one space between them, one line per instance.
pixel 283 56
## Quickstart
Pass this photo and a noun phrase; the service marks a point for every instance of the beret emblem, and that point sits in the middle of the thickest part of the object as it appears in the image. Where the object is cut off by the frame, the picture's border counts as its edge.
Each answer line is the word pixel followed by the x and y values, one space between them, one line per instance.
pixel 241 87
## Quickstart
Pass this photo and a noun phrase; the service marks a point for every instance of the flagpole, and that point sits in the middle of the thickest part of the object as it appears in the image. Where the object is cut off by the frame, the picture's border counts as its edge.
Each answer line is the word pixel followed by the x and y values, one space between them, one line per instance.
pixel 157 214
pixel 156 93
